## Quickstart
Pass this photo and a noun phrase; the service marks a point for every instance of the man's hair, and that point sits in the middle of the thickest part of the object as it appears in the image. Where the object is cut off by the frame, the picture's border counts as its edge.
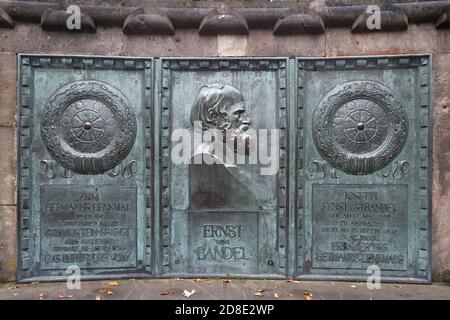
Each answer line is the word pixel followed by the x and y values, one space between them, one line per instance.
pixel 211 104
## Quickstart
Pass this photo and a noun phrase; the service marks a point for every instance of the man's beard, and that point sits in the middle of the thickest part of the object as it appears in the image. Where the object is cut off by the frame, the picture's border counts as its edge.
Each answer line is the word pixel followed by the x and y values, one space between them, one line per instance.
pixel 239 139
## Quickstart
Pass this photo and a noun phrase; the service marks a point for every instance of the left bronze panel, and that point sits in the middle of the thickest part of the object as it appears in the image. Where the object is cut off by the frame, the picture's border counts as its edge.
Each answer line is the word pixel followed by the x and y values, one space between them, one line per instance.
pixel 84 171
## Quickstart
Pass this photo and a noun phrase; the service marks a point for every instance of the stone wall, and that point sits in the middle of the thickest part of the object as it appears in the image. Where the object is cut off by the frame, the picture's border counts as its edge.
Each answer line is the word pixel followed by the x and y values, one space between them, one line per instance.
pixel 8 221
pixel 418 38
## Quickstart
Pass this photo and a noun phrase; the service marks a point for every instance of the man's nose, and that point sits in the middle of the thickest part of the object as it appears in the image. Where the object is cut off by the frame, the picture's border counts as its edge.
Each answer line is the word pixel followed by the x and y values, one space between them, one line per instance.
pixel 246 120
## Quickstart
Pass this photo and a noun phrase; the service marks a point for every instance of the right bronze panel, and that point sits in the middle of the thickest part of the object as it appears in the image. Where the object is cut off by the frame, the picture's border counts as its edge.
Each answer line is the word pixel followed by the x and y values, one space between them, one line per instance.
pixel 364 168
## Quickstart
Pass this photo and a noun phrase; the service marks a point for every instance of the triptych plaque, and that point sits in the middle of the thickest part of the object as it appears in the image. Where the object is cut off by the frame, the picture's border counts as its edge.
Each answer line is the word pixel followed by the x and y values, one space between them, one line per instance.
pixel 254 167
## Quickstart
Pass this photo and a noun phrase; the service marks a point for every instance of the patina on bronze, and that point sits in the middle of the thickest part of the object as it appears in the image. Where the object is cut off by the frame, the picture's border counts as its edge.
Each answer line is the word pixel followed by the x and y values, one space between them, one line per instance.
pixel 366 168
pixel 83 166
pixel 98 188
pixel 228 212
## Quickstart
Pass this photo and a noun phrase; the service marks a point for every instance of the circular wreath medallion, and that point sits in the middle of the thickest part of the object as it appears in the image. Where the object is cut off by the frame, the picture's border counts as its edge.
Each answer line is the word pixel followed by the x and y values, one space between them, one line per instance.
pixel 359 127
pixel 88 126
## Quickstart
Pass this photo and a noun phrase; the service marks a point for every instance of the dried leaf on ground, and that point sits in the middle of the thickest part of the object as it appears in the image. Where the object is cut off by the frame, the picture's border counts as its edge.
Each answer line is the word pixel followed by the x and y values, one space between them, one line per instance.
pixel 397 286
pixel 165 293
pixel 198 280
pixel 259 293
pixel 14 286
pixel 60 296
pixel 292 281
pixel 354 286
pixel 290 294
pixel 307 296
pixel 32 284
pixel 226 281
pixel 41 296
pixel 187 294
pixel 112 283
pixel 106 291
pixel 275 295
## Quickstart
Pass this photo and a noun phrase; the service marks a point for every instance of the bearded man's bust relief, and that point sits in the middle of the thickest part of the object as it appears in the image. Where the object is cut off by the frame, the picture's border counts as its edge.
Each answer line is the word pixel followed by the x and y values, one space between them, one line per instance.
pixel 216 181
pixel 220 109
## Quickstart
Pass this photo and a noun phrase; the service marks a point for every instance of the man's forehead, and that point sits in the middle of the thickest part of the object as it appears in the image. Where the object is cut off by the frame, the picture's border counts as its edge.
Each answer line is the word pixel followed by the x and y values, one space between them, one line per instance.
pixel 238 107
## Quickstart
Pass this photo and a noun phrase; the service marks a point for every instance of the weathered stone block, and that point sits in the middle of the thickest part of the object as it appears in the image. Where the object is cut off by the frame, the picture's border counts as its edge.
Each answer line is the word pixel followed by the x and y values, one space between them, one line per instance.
pixel 417 39
pixel 7 166
pixel 231 45
pixel 5 19
pixel 223 23
pixel 8 243
pixel 389 21
pixel 298 23
pixel 7 88
pixel 106 41
pixel 57 20
pixel 441 165
pixel 443 21
pixel 150 23
pixel 264 43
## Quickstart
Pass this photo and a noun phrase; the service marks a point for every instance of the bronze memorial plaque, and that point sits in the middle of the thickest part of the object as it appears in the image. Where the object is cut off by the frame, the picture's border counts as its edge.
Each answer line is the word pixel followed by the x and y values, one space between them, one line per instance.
pixel 84 166
pixel 220 215
pixel 364 150
pixel 310 168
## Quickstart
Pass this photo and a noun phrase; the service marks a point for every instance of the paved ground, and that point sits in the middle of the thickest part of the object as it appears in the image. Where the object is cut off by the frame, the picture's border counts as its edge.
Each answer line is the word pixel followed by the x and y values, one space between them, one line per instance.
pixel 221 289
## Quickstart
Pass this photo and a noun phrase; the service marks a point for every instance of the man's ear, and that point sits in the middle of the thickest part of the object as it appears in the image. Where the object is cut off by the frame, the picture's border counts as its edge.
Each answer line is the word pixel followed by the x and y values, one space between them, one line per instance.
pixel 212 116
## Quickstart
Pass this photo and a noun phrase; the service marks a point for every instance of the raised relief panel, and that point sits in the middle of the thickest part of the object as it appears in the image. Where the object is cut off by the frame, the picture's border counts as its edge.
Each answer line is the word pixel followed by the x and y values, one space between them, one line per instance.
pixel 221 215
pixel 88 126
pixel 84 166
pixel 364 168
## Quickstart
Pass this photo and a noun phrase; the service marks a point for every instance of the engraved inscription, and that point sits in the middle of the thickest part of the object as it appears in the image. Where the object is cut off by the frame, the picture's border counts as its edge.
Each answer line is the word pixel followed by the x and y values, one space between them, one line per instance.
pixel 357 226
pixel 92 227
pixel 221 237
pixel 223 241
